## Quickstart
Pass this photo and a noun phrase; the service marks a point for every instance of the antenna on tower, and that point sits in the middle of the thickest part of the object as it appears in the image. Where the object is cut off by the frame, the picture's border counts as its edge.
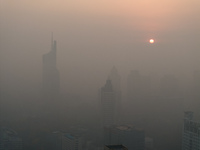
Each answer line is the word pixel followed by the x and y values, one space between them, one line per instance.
pixel 52 45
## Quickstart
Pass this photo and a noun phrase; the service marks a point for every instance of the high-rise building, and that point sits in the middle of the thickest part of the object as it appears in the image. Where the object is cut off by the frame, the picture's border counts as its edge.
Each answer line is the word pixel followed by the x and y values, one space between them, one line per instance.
pixel 191 133
pixel 61 140
pixel 71 142
pixel 107 97
pixel 9 140
pixel 51 78
pixel 115 80
pixel 127 135
pixel 196 88
pixel 197 81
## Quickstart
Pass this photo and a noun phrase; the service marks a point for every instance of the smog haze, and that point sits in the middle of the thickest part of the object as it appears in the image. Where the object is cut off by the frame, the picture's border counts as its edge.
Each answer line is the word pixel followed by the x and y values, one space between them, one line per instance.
pixel 158 81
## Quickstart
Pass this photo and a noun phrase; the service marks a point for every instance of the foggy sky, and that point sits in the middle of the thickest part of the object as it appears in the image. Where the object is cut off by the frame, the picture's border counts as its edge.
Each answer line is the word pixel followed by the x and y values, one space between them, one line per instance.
pixel 93 36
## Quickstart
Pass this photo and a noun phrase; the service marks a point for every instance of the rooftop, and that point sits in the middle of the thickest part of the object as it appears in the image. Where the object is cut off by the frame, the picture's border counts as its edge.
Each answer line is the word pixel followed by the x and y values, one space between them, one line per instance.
pixel 113 147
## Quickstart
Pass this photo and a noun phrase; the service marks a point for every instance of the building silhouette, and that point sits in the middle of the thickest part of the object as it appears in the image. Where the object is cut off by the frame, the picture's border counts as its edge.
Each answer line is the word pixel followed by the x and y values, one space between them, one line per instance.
pixel 116 84
pixel 71 142
pixel 116 79
pixel 196 86
pixel 127 135
pixel 108 101
pixel 197 81
pixel 51 78
pixel 9 140
pixel 115 147
pixel 191 133
pixel 60 140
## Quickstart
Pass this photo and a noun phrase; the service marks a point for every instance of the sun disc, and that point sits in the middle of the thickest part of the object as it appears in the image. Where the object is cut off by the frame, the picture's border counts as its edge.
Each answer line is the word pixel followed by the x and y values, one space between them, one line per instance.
pixel 151 41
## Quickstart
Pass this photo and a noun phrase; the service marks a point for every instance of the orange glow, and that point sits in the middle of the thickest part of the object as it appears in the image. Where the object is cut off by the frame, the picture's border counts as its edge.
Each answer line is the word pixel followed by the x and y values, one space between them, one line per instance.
pixel 151 41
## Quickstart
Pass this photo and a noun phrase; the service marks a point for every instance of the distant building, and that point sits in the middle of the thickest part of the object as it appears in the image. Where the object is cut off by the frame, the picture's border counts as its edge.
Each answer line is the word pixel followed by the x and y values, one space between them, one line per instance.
pixel 108 102
pixel 197 80
pixel 9 140
pixel 130 137
pixel 51 78
pixel 115 80
pixel 191 133
pixel 71 142
pixel 115 147
pixel 196 85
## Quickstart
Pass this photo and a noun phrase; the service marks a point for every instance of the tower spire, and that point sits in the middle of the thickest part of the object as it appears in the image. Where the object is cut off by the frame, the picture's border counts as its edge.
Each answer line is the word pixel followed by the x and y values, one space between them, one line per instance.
pixel 52 45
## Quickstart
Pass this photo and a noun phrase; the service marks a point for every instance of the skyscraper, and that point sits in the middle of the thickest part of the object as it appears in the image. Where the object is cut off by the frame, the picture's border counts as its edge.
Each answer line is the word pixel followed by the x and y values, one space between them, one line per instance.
pixel 51 76
pixel 127 135
pixel 107 104
pixel 191 133
pixel 115 80
pixel 197 82
pixel 196 87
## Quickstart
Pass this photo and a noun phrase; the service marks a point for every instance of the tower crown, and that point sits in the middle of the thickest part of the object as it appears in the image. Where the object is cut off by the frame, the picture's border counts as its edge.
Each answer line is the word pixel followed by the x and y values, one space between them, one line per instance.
pixel 53 43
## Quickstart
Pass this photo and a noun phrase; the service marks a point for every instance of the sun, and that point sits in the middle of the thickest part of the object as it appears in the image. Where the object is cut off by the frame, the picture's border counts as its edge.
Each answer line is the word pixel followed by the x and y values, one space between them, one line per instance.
pixel 151 41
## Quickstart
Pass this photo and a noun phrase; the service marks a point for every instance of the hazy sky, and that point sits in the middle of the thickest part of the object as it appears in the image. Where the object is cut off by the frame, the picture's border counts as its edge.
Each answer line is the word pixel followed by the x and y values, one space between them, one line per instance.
pixel 94 35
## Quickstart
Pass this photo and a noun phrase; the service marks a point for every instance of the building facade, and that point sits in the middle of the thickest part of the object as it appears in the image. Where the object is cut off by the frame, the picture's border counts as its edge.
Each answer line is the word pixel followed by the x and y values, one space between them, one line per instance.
pixel 51 77
pixel 71 142
pixel 116 84
pixel 191 133
pixel 127 135
pixel 115 147
pixel 108 104
pixel 9 140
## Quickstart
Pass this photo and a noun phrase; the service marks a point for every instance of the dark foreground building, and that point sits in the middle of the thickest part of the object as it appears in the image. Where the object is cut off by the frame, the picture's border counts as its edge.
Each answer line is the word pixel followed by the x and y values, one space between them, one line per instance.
pixel 115 147
pixel 191 133
pixel 9 140
pixel 127 135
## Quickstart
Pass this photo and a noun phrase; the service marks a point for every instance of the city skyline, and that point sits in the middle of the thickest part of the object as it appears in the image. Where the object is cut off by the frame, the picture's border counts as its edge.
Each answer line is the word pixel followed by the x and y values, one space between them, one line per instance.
pixel 109 63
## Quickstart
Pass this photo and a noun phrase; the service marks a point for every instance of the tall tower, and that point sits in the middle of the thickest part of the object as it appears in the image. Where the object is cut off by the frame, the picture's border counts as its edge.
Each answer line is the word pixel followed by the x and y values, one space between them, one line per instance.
pixel 51 78
pixel 116 79
pixel 116 82
pixel 196 84
pixel 108 104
